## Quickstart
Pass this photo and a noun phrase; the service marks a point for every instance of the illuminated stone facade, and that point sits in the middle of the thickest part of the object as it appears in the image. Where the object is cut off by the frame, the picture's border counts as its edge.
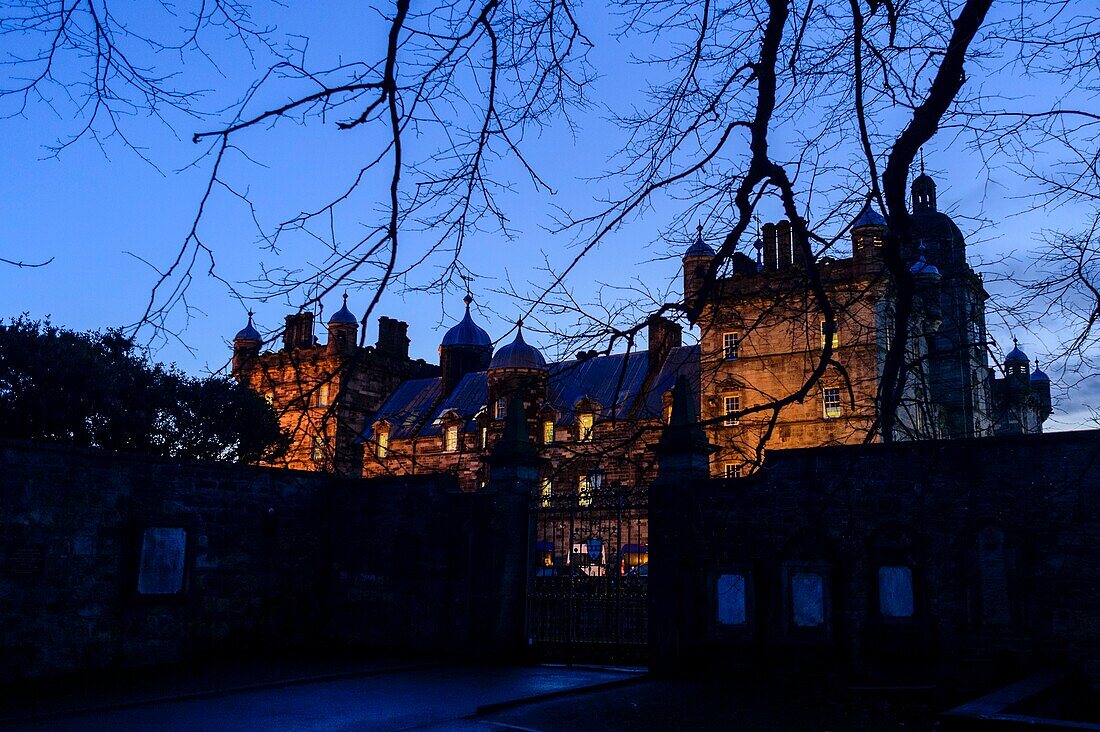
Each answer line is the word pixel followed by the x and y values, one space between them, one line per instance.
pixel 323 392
pixel 763 332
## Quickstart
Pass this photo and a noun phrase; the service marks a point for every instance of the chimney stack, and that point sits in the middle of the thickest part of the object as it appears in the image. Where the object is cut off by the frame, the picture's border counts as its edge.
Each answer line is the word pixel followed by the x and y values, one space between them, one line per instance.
pixel 393 337
pixel 783 243
pixel 664 335
pixel 298 332
pixel 769 247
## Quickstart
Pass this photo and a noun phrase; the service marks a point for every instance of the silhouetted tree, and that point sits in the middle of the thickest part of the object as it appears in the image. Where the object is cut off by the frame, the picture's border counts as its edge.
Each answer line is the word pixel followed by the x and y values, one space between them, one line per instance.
pixel 99 390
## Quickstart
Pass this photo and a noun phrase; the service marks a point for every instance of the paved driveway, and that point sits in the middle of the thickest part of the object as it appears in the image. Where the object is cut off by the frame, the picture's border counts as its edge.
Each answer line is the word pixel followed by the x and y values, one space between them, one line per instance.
pixel 435 697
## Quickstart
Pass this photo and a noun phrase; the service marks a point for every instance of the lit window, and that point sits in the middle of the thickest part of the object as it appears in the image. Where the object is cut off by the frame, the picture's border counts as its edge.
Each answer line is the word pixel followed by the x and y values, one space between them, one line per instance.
pixel 322 395
pixel 585 423
pixel 587 486
pixel 733 470
pixel 731 405
pixel 317 451
pixel 450 438
pixel 484 438
pixel 383 444
pixel 548 431
pixel 895 592
pixel 807 600
pixel 732 605
pixel 831 399
pixel 502 408
pixel 730 342
pixel 825 335
pixel 546 491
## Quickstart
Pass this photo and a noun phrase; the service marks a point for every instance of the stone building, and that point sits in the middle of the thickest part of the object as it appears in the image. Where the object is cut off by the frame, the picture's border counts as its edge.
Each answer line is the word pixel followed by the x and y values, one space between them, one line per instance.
pixel 593 418
pixel 763 331
pixel 323 392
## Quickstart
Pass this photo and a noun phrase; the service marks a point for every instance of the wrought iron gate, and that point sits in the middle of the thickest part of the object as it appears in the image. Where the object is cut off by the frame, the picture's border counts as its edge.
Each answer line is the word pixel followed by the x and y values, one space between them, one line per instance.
pixel 587 598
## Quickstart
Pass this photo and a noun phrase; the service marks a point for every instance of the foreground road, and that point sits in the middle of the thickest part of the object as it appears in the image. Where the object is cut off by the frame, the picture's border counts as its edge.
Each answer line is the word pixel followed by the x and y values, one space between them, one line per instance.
pixel 439 698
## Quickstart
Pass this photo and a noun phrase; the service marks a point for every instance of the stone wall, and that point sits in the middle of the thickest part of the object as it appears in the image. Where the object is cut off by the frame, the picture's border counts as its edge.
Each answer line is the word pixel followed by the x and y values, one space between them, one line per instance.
pixel 273 558
pixel 995 543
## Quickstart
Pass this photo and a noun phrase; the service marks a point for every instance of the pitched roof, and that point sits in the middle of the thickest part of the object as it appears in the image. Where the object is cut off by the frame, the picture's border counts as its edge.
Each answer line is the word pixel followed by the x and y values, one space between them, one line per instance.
pixel 615 382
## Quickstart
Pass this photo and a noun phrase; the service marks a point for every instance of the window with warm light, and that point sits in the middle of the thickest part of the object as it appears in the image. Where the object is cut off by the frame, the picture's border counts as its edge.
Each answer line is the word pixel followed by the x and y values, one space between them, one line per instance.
pixel 730 343
pixel 484 437
pixel 585 424
pixel 546 491
pixel 831 400
pixel 450 438
pixel 733 470
pixel 323 395
pixel 731 405
pixel 547 431
pixel 383 439
pixel 587 486
pixel 825 335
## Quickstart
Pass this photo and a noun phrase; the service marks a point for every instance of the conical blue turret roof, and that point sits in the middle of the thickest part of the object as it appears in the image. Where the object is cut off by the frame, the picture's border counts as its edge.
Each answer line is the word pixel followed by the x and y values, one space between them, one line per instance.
pixel 699 248
pixel 868 216
pixel 1038 375
pixel 518 355
pixel 1016 355
pixel 249 332
pixel 467 332
pixel 343 315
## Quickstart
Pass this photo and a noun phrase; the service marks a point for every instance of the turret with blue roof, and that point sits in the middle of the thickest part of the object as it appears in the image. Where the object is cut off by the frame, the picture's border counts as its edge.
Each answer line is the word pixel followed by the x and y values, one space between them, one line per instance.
pixel 343 330
pixel 465 348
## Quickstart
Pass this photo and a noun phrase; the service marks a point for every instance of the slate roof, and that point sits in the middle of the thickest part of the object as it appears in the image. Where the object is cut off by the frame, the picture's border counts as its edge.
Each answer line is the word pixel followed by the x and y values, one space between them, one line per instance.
pixel 615 382
pixel 868 216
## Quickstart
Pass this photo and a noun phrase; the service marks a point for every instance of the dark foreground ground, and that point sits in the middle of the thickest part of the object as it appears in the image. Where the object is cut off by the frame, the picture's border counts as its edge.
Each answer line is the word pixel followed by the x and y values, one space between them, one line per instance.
pixel 399 695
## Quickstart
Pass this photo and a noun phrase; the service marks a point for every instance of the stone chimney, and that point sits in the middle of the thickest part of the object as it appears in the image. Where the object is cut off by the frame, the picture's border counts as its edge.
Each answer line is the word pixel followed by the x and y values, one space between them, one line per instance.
pixel 664 335
pixel 769 247
pixel 298 332
pixel 783 244
pixel 393 337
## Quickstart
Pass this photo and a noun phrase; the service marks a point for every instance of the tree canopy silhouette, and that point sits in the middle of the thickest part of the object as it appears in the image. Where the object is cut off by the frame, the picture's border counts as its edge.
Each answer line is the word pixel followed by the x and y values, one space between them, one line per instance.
pixel 99 390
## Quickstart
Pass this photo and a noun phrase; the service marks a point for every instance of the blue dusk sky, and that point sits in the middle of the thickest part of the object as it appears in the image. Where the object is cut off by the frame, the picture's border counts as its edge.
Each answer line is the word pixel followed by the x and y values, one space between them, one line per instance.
pixel 108 217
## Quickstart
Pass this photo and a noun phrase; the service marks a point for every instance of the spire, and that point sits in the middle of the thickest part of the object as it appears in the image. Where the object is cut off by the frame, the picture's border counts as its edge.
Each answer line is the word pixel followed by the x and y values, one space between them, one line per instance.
pixel 684 433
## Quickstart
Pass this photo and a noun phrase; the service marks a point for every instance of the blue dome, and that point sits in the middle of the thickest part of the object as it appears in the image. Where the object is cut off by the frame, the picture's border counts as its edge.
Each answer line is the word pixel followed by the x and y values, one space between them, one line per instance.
pixel 923 268
pixel 248 333
pixel 1038 376
pixel 868 216
pixel 467 332
pixel 518 355
pixel 699 248
pixel 1016 355
pixel 343 315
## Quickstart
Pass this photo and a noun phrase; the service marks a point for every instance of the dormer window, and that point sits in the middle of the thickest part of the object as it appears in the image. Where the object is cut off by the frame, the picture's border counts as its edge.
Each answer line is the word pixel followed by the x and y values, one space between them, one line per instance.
pixel 382 438
pixel 547 431
pixel 450 438
pixel 586 422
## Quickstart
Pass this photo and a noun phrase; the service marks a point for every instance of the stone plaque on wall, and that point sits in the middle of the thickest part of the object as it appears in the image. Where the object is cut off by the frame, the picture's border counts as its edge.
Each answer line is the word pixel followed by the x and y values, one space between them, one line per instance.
pixel 163 554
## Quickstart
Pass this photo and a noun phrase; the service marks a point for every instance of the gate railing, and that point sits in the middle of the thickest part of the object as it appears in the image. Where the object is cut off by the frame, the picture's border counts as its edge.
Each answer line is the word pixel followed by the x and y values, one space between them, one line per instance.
pixel 587 600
